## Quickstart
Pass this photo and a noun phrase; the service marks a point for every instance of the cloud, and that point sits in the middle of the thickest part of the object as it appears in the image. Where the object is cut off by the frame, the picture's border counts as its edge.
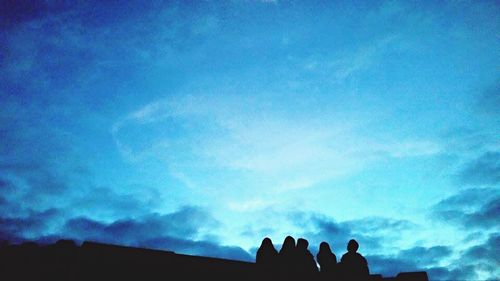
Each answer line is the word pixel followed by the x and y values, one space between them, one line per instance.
pixel 183 231
pixel 379 237
pixel 457 273
pixel 389 266
pixel 31 226
pixel 439 263
pixel 188 222
pixel 31 161
pixel 485 257
pixel 424 257
pixel 484 170
pixel 374 234
pixel 326 229
pixel 487 252
pixel 479 261
pixel 476 208
pixel 187 231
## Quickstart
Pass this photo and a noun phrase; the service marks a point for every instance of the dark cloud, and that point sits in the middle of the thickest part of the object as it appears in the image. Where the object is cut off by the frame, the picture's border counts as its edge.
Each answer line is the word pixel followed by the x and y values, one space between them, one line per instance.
pixel 475 210
pixel 484 170
pixel 458 273
pixel 178 231
pixel 483 257
pixel 31 161
pixel 318 228
pixel 59 198
pixel 33 224
pixel 185 223
pixel 43 166
pixel 423 259
pixel 181 231
pixel 374 234
pixel 389 266
pixel 486 216
pixel 488 253
pixel 423 256
pixel 470 208
pixel 413 259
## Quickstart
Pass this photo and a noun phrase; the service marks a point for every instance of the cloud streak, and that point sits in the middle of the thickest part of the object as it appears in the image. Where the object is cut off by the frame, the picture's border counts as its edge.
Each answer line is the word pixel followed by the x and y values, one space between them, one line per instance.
pixel 471 208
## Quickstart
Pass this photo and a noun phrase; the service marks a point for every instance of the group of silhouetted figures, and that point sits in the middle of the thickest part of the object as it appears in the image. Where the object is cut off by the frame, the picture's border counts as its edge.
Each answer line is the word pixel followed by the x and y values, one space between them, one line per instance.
pixel 295 261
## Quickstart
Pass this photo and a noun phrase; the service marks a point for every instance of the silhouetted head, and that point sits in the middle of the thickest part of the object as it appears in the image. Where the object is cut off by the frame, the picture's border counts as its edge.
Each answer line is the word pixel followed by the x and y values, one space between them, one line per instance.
pixel 267 243
pixel 288 244
pixel 266 252
pixel 352 246
pixel 324 248
pixel 302 244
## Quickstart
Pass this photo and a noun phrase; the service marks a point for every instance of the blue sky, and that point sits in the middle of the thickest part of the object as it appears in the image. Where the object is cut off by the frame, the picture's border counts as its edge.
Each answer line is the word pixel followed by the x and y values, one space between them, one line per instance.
pixel 203 127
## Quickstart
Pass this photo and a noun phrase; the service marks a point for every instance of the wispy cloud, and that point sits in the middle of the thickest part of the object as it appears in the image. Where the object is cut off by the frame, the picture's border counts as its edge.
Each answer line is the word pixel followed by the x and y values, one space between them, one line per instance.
pixel 252 134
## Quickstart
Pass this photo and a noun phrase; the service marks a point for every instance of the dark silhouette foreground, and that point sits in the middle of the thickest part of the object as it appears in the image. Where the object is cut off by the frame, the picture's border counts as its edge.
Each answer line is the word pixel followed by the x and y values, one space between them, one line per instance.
pixel 353 265
pixel 327 262
pixel 296 262
pixel 94 261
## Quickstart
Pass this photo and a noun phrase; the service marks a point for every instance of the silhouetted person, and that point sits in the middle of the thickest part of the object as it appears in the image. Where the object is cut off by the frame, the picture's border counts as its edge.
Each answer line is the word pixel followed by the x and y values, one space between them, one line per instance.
pixel 327 262
pixel 305 263
pixel 267 260
pixel 354 265
pixel 267 254
pixel 287 257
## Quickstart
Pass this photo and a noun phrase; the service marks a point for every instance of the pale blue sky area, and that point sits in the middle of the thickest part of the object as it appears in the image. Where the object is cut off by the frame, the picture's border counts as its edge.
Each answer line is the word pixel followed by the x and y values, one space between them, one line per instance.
pixel 203 127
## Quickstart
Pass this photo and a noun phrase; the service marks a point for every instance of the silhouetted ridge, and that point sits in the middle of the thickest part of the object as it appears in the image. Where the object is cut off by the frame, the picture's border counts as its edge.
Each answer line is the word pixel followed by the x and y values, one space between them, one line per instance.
pixel 65 260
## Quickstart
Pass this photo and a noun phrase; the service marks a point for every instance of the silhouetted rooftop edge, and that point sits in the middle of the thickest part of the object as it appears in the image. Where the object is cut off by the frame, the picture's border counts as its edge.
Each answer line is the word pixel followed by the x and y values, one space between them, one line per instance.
pixel 65 260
